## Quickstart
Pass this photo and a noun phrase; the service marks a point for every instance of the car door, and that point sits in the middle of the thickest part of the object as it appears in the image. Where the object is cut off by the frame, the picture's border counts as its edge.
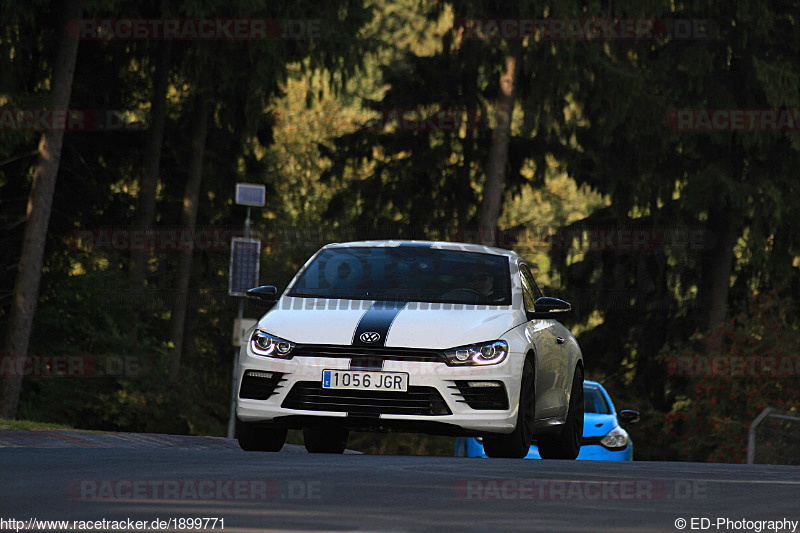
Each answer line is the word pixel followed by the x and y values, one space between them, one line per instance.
pixel 551 340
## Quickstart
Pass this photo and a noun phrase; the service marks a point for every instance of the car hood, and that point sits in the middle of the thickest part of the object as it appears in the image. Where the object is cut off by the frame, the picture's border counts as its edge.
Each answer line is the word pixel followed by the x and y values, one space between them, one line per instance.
pixel 597 425
pixel 415 325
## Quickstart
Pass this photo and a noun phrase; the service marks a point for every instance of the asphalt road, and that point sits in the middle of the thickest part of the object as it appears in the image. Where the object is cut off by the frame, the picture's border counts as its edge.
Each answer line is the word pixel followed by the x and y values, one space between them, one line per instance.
pixel 70 476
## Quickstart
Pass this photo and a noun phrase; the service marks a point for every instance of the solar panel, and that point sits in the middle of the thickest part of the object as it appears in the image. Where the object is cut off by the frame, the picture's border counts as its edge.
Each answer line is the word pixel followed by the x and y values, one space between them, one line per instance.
pixel 244 265
pixel 250 194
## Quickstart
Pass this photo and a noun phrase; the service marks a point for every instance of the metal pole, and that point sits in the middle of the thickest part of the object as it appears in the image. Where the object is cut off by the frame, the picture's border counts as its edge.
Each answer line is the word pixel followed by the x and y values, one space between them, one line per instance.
pixel 232 417
pixel 751 436
pixel 240 315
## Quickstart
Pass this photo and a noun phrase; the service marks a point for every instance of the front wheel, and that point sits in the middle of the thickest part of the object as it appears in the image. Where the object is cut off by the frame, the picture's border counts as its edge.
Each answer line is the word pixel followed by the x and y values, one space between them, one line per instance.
pixel 259 438
pixel 517 443
pixel 567 444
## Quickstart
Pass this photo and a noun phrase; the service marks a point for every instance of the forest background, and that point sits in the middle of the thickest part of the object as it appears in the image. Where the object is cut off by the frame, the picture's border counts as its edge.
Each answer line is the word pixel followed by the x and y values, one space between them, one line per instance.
pixel 605 160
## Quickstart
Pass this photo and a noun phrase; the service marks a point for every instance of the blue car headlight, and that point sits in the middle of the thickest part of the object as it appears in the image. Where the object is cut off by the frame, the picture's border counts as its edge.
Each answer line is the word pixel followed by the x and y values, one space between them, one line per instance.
pixel 489 353
pixel 262 343
pixel 616 439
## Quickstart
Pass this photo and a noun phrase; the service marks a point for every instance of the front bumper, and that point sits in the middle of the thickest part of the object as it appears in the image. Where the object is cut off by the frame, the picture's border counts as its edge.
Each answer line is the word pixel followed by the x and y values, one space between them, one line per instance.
pixel 280 406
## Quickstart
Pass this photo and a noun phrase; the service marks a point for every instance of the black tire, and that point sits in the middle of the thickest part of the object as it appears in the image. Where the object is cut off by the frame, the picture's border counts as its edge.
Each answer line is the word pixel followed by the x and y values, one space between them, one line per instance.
pixel 258 438
pixel 325 440
pixel 567 444
pixel 517 443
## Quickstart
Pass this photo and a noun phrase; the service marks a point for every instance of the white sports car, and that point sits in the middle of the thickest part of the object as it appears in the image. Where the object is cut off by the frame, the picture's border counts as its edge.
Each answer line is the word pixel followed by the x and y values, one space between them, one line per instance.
pixel 438 337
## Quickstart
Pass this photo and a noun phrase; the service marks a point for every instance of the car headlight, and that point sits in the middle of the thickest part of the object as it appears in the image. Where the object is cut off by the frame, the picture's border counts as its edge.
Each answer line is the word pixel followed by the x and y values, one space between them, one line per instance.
pixel 489 353
pixel 262 343
pixel 616 439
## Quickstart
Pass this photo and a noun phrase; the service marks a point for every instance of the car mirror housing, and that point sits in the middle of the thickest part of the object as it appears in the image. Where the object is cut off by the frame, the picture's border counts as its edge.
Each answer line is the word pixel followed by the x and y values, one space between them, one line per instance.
pixel 266 293
pixel 628 417
pixel 547 307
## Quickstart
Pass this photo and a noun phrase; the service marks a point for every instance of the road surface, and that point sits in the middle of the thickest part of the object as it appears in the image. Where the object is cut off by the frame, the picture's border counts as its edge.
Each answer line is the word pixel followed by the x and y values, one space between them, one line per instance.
pixel 56 475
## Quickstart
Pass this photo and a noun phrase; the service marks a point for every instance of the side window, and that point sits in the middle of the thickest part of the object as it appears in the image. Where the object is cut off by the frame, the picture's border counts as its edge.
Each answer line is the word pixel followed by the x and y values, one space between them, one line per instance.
pixel 527 291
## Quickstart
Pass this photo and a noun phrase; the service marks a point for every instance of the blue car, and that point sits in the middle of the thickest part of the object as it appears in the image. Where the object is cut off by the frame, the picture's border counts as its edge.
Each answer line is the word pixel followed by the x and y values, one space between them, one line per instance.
pixel 603 436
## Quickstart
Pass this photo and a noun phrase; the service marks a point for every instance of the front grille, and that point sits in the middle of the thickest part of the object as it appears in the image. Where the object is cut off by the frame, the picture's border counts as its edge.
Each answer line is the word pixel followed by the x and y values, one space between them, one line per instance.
pixel 371 355
pixel 481 397
pixel 259 385
pixel 310 395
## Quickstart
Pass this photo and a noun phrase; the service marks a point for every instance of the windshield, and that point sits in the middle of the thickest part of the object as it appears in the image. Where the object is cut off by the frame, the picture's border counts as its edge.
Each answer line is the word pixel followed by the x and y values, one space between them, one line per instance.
pixel 406 273
pixel 594 401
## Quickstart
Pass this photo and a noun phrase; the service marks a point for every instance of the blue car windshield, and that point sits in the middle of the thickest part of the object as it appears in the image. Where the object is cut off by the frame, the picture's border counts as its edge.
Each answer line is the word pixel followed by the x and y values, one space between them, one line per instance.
pixel 594 401
pixel 406 274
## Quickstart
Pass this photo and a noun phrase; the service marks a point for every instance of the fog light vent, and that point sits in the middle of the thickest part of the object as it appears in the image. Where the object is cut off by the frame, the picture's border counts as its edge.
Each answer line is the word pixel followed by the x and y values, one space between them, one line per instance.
pixel 259 385
pixel 482 394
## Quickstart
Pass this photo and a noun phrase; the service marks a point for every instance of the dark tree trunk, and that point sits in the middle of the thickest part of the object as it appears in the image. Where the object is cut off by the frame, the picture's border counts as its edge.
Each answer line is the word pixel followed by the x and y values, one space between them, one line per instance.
pixel 191 199
pixel 782 259
pixel 40 202
pixel 717 263
pixel 463 186
pixel 498 150
pixel 145 214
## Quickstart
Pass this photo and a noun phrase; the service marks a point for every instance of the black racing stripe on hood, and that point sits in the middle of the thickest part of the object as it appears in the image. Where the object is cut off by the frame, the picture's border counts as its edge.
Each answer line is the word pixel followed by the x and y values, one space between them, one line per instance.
pixel 378 319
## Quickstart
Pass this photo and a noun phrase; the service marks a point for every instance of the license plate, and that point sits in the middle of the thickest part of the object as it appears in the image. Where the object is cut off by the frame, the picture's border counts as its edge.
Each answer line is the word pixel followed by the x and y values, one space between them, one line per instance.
pixel 360 380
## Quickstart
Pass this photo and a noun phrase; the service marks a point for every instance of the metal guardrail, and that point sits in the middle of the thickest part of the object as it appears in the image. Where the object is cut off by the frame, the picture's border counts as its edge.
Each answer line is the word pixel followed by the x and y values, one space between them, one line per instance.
pixel 751 436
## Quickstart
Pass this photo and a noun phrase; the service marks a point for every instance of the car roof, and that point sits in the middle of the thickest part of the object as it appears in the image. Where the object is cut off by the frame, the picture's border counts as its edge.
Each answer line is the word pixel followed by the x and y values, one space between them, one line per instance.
pixel 440 245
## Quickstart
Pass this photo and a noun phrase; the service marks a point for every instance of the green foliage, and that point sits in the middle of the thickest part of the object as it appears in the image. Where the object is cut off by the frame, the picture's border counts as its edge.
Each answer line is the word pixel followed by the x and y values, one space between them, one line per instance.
pixel 731 375
pixel 29 425
pixel 591 147
pixel 85 303
pixel 118 388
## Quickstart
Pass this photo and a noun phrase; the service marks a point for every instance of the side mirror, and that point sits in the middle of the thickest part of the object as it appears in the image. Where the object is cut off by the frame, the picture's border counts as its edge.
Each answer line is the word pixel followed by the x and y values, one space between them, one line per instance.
pixel 628 417
pixel 547 307
pixel 266 293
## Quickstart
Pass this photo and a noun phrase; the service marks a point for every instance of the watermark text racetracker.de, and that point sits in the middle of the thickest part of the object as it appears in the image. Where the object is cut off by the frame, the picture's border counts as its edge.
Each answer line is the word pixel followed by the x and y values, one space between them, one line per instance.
pixel 194 29
pixel 722 523
pixel 611 238
pixel 588 29
pixel 723 120
pixel 27 120
pixel 159 239
pixel 190 489
pixel 755 366
pixel 581 489
pixel 83 366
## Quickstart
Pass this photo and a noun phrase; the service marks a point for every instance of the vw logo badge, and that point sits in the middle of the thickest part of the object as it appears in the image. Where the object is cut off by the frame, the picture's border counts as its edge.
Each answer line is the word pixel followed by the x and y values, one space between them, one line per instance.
pixel 370 336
